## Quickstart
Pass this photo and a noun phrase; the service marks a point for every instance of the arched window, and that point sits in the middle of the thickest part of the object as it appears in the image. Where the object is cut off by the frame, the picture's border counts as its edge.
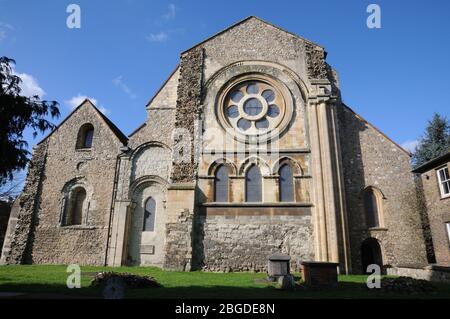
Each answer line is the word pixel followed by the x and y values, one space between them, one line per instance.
pixel 253 189
pixel 85 136
pixel 221 184
pixel 149 215
pixel 75 207
pixel 286 183
pixel 371 208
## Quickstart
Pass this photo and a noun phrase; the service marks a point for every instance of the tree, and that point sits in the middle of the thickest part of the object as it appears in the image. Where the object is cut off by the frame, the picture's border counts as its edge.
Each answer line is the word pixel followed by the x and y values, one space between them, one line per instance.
pixel 436 141
pixel 18 112
pixel 11 189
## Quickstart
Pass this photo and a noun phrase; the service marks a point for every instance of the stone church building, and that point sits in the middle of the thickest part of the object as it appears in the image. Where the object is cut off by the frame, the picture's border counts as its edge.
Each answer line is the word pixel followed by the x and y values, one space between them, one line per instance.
pixel 247 150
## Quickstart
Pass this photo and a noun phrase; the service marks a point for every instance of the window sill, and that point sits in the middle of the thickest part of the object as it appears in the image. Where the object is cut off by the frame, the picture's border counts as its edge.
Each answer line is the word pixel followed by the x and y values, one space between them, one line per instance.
pixel 445 197
pixel 248 204
pixel 377 229
pixel 83 149
pixel 78 227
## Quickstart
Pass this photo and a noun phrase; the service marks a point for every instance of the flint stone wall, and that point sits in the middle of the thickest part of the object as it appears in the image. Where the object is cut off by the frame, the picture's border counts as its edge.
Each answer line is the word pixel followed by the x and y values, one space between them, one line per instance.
pixel 179 243
pixel 242 243
pixel 431 273
pixel 178 248
pixel 189 92
pixel 29 203
pixel 57 163
pixel 370 159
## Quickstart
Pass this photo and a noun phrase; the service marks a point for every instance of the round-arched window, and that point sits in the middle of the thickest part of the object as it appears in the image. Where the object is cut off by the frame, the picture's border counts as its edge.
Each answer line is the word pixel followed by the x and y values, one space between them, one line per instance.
pixel 149 215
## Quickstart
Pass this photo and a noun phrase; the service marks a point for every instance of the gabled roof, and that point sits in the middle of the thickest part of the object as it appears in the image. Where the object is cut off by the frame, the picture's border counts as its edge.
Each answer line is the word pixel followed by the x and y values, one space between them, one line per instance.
pixel 376 129
pixel 435 162
pixel 162 86
pixel 137 130
pixel 247 20
pixel 122 138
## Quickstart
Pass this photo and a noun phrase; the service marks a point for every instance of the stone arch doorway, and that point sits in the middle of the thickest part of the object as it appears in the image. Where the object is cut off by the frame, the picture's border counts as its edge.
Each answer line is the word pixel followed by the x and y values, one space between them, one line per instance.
pixel 371 254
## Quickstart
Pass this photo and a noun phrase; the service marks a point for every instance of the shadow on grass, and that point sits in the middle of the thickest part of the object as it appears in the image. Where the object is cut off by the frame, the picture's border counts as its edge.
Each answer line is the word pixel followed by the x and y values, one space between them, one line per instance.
pixel 345 290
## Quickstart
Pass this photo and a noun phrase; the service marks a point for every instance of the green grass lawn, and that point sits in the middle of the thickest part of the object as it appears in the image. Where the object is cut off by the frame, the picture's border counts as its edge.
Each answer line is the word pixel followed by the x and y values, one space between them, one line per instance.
pixel 50 281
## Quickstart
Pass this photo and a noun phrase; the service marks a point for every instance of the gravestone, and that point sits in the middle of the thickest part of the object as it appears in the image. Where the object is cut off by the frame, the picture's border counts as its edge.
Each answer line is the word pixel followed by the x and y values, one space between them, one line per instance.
pixel 286 282
pixel 278 266
pixel 319 274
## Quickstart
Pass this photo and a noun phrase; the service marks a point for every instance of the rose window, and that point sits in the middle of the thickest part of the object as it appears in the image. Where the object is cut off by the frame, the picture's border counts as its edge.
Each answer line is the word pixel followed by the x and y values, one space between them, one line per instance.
pixel 253 107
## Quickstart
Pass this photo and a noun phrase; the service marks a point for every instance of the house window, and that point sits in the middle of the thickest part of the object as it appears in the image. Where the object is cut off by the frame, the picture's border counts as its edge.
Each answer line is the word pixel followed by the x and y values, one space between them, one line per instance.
pixel 85 136
pixel 371 208
pixel 448 230
pixel 75 207
pixel 149 215
pixel 444 181
pixel 221 184
pixel 253 189
pixel 286 183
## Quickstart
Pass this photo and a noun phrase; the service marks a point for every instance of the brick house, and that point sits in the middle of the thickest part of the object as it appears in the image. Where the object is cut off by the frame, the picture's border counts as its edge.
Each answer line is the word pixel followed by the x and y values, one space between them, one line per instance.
pixel 435 179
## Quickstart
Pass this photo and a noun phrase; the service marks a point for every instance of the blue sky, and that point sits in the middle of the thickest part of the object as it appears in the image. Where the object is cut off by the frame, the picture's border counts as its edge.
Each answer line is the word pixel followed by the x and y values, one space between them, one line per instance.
pixel 395 77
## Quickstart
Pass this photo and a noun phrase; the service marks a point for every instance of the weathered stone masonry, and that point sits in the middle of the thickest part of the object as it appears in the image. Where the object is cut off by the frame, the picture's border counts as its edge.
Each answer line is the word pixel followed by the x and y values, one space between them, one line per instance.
pixel 333 155
pixel 179 237
pixel 188 108
pixel 372 159
pixel 225 250
pixel 29 201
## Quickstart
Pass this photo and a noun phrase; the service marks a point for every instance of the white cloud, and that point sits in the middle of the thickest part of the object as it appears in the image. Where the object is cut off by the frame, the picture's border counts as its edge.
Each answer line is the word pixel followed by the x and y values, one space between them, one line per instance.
pixel 104 110
pixel 5 29
pixel 119 83
pixel 171 13
pixel 6 26
pixel 158 37
pixel 77 100
pixel 410 145
pixel 164 34
pixel 29 85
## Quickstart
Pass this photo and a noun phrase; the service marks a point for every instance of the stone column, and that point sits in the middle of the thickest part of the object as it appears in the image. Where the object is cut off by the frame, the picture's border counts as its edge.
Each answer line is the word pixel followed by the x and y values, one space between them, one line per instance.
pixel 270 189
pixel 330 222
pixel 342 220
pixel 237 189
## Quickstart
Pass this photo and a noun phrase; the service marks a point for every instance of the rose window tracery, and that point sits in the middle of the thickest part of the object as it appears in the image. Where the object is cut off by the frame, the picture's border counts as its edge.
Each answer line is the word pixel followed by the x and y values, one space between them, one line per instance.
pixel 253 107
